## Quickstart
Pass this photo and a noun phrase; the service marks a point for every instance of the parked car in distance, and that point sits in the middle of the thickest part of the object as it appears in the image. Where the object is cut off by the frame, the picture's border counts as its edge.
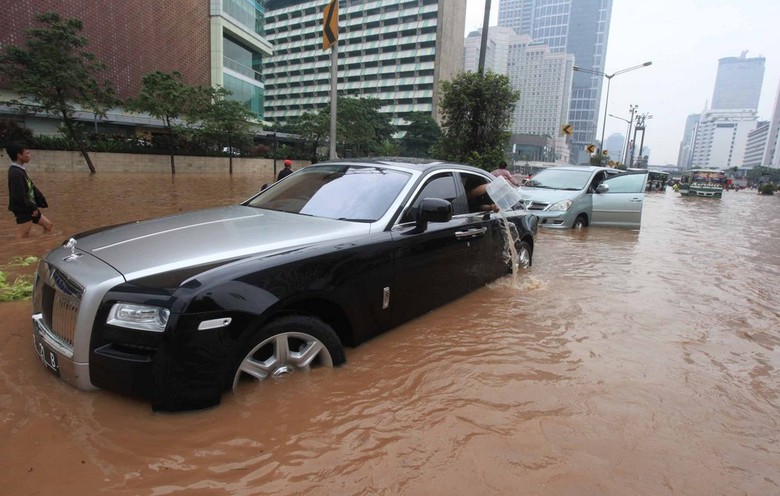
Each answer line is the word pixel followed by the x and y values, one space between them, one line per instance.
pixel 567 197
pixel 180 309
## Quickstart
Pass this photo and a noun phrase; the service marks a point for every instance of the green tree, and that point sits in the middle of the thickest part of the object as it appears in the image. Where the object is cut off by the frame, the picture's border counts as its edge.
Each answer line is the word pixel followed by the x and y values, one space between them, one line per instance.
pixel 422 134
pixel 312 127
pixel 476 111
pixel 165 97
pixel 360 129
pixel 54 74
pixel 227 122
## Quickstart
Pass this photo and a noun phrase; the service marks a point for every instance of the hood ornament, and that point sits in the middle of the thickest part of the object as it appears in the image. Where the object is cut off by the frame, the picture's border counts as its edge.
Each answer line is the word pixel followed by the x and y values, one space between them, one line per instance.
pixel 71 243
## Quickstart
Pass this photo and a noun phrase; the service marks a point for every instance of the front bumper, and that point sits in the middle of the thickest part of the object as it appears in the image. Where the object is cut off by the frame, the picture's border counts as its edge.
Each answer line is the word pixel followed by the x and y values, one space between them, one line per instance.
pixel 554 220
pixel 74 373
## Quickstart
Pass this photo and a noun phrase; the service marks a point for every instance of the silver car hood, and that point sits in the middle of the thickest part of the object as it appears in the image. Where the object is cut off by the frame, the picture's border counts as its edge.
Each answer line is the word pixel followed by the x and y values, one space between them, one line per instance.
pixel 206 236
pixel 546 195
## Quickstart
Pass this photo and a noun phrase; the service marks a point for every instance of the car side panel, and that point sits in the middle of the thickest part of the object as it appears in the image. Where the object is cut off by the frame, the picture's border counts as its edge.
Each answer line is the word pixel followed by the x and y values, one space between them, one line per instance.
pixel 186 368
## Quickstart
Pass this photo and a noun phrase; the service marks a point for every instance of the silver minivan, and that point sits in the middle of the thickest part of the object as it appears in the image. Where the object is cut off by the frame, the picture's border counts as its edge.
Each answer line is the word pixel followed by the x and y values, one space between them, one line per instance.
pixel 579 196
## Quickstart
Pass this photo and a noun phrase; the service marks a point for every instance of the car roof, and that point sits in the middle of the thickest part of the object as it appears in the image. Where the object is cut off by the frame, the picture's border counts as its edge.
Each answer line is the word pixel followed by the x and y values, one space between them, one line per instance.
pixel 589 168
pixel 404 163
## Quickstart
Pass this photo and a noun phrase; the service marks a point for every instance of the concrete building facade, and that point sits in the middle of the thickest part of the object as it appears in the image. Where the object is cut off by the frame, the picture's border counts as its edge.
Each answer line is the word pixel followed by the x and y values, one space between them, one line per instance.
pixel 218 43
pixel 397 51
pixel 721 138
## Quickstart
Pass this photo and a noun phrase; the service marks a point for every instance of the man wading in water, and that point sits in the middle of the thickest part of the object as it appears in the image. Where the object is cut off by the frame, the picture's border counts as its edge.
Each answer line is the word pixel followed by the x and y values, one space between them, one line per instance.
pixel 24 199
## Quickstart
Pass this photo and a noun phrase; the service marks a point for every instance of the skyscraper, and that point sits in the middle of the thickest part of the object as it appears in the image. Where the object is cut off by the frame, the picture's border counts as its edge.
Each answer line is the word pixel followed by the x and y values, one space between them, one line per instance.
pixel 738 83
pixel 577 27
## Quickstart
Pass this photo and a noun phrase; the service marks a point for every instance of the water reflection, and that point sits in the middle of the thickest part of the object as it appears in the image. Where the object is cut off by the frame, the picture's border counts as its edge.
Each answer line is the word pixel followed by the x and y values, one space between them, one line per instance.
pixel 622 363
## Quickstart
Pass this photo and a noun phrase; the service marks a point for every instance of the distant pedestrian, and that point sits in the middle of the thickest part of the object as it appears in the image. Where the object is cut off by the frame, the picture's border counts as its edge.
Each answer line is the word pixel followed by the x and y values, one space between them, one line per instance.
pixel 286 171
pixel 503 172
pixel 24 199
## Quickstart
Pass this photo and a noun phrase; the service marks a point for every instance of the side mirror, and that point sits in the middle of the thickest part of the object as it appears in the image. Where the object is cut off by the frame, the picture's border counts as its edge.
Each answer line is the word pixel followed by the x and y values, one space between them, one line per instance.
pixel 431 210
pixel 602 188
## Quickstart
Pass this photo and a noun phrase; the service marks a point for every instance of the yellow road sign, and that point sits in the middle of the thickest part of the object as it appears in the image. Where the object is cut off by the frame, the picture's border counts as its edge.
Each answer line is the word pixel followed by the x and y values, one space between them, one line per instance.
pixel 591 148
pixel 330 24
pixel 567 129
pixel 605 152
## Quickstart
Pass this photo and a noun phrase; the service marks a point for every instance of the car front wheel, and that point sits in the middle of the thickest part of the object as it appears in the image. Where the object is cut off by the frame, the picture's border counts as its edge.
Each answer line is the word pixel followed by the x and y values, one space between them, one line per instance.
pixel 580 222
pixel 288 344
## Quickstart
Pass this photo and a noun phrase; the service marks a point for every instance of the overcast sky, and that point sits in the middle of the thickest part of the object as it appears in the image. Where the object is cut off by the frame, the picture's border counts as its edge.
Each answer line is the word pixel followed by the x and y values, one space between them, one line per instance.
pixel 684 39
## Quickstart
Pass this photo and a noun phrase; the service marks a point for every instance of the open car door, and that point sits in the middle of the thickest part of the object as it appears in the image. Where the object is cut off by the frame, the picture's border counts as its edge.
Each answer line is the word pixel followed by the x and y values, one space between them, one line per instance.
pixel 619 204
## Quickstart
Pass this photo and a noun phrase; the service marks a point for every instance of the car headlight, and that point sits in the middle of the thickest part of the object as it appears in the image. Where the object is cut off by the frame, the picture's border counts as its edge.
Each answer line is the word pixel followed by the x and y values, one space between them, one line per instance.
pixel 141 317
pixel 560 206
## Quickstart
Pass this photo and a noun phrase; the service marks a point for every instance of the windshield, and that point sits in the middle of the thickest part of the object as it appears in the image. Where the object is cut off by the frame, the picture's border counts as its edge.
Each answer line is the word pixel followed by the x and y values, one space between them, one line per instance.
pixel 708 177
pixel 560 179
pixel 338 191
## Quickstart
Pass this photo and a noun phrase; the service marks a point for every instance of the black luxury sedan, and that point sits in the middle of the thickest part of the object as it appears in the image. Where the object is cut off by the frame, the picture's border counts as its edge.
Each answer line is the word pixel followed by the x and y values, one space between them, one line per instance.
pixel 179 309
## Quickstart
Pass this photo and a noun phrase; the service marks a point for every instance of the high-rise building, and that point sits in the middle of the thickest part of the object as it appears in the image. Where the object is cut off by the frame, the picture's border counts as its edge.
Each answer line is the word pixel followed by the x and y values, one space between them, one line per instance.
pixel 686 145
pixel 615 144
pixel 738 83
pixel 497 53
pixel 756 144
pixel 542 78
pixel 577 27
pixel 397 51
pixel 772 151
pixel 217 43
pixel 721 134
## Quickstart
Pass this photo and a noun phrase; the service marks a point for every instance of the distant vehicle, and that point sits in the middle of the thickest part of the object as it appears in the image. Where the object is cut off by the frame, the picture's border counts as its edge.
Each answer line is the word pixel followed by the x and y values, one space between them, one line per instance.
pixel 656 180
pixel 181 308
pixel 579 196
pixel 702 182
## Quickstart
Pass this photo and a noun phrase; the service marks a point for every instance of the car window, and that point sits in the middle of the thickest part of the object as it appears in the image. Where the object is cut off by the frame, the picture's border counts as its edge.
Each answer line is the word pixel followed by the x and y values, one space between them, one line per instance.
pixel 625 183
pixel 560 179
pixel 440 186
pixel 476 194
pixel 336 191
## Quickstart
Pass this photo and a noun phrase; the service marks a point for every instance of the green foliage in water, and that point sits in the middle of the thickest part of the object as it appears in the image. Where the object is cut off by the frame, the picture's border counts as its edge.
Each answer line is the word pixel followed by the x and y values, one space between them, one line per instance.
pixel 767 189
pixel 21 287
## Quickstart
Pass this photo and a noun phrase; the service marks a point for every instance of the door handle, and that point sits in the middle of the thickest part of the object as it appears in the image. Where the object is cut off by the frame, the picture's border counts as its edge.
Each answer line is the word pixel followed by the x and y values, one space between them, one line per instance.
pixel 636 200
pixel 470 233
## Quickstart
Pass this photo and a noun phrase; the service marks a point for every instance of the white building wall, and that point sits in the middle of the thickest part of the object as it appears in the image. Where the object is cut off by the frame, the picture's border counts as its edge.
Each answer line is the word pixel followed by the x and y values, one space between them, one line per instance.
pixel 721 138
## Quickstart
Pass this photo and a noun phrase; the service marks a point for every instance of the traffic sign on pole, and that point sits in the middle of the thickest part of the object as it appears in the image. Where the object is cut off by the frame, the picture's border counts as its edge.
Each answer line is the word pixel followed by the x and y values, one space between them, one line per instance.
pixel 567 129
pixel 591 148
pixel 330 24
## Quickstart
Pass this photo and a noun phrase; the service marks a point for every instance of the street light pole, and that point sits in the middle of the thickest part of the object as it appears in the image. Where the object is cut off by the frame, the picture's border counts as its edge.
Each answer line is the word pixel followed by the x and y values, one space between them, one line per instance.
pixel 609 81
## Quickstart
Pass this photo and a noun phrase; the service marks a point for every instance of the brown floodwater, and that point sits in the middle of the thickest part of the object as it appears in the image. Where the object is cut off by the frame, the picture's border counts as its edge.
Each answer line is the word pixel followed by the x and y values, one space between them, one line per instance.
pixel 620 363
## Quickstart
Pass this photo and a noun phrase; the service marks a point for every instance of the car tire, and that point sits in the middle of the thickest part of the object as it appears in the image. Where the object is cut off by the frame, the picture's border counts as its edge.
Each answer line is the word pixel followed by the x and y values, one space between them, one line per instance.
pixel 580 222
pixel 294 342
pixel 524 255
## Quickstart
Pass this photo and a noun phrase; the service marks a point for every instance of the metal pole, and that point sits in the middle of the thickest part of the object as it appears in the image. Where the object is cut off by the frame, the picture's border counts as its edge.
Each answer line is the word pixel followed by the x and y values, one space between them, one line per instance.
pixel 606 107
pixel 642 143
pixel 632 108
pixel 483 44
pixel 633 142
pixel 334 64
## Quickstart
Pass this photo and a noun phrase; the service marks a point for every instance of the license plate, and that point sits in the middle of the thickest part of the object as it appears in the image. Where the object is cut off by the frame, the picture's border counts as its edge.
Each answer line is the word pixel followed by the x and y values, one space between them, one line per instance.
pixel 47 356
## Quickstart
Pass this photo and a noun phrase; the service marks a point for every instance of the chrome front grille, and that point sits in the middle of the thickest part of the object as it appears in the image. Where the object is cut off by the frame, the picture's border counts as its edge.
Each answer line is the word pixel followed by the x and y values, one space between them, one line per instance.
pixel 60 298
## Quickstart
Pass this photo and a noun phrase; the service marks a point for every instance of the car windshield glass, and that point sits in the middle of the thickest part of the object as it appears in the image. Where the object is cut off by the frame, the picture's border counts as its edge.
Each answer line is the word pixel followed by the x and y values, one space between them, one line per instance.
pixel 337 191
pixel 560 179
